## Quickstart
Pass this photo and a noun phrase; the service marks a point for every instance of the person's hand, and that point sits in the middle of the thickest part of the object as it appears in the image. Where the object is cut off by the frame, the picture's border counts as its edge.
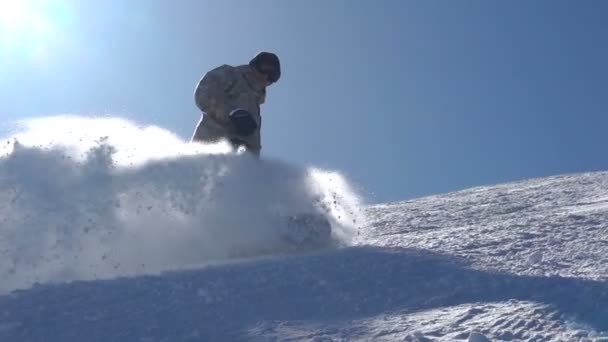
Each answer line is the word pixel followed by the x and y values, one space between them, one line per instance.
pixel 243 122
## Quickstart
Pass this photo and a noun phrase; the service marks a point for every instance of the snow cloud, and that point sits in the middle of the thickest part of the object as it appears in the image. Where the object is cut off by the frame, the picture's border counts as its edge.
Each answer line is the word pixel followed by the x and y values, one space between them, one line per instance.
pixel 88 198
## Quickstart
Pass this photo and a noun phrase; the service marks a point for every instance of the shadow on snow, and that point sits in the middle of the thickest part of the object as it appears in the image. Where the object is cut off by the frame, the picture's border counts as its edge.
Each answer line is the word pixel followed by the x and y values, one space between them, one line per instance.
pixel 224 301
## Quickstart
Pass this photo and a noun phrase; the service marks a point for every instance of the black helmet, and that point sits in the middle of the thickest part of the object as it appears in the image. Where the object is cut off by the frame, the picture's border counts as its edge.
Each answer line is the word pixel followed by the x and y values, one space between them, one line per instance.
pixel 267 63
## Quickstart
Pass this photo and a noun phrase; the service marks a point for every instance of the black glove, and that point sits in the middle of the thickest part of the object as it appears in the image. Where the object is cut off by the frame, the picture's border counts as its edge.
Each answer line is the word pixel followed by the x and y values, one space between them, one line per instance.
pixel 243 122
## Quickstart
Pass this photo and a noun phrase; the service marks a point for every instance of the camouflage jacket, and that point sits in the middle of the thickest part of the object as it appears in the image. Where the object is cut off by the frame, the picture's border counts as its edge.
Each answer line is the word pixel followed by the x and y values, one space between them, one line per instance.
pixel 223 90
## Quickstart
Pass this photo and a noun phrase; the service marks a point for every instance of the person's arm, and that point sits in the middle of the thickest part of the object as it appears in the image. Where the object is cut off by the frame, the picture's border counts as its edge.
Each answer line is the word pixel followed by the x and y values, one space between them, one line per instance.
pixel 212 93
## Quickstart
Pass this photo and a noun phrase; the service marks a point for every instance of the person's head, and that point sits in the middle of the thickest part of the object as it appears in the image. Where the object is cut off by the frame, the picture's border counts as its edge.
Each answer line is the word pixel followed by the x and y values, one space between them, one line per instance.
pixel 268 64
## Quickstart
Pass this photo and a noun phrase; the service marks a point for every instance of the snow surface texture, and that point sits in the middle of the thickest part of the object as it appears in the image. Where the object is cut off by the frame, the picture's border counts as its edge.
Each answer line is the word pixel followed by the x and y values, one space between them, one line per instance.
pixel 98 198
pixel 524 261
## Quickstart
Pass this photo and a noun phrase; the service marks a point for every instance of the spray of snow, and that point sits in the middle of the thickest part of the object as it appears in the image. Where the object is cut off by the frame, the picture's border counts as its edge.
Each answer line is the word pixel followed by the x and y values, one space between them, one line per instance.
pixel 87 198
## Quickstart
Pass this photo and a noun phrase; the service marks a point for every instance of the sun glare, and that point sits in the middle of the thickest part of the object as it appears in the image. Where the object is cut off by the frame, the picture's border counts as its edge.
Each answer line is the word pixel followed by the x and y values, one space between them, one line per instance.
pixel 29 25
pixel 18 17
pixel 12 14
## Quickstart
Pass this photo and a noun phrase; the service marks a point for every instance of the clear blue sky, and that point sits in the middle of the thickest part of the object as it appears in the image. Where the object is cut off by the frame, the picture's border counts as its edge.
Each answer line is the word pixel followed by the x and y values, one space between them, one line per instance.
pixel 407 98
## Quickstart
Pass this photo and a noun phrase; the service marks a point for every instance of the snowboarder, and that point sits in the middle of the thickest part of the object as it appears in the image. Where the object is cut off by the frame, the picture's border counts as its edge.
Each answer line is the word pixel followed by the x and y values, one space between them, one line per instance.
pixel 230 98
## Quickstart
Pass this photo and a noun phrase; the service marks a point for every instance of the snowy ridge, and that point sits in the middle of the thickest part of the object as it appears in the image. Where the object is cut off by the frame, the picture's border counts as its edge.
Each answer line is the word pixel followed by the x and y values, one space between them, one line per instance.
pixel 551 226
pixel 524 261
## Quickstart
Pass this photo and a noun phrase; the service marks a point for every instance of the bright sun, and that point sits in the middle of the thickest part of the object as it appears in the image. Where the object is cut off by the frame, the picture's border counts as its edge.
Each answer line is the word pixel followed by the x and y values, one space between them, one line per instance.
pixel 19 17
pixel 29 24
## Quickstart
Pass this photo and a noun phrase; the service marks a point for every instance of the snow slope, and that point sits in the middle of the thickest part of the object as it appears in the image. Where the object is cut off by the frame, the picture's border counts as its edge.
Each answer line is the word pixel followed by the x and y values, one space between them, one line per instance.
pixel 524 261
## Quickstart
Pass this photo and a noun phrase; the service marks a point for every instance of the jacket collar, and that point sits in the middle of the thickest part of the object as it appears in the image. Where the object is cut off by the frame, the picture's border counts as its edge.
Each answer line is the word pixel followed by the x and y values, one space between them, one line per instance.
pixel 255 79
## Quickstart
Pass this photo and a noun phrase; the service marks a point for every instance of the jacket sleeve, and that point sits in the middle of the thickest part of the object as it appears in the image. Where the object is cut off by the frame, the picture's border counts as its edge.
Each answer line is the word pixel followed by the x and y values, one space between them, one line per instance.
pixel 212 94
